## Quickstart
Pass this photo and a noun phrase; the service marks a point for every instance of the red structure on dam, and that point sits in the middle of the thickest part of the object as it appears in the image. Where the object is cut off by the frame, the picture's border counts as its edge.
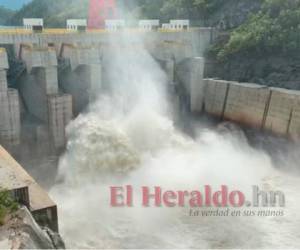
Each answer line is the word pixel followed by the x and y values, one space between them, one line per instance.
pixel 99 11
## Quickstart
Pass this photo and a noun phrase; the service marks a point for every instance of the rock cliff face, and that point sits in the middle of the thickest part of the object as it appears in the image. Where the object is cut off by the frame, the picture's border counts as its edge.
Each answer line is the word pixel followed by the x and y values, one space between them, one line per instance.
pixel 22 232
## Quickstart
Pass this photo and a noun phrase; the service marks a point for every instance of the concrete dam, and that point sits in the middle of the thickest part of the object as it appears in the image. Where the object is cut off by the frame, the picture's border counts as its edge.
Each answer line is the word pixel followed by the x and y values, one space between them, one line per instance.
pixel 56 76
pixel 101 105
pixel 53 101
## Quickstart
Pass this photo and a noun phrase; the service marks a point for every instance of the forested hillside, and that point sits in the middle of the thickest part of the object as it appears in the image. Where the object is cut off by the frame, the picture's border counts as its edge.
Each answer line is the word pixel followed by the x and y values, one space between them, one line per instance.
pixel 54 12
pixel 5 15
pixel 230 13
pixel 265 49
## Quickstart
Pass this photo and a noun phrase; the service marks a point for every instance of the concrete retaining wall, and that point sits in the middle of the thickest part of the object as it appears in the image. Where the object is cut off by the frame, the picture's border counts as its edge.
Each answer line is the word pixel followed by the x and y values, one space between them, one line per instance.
pixel 272 109
pixel 216 92
pixel 281 109
pixel 246 103
pixel 294 128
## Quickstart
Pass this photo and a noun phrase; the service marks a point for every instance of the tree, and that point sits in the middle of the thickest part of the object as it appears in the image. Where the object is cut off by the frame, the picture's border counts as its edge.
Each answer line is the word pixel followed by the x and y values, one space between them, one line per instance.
pixel 7 205
pixel 5 14
pixel 274 29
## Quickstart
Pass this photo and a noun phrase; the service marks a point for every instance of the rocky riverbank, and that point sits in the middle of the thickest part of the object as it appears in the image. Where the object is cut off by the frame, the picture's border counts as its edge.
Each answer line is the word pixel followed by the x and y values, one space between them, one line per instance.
pixel 20 231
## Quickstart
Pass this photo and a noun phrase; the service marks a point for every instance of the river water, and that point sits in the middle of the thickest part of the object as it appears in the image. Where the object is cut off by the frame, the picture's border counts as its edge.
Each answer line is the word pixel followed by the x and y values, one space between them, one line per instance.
pixel 128 137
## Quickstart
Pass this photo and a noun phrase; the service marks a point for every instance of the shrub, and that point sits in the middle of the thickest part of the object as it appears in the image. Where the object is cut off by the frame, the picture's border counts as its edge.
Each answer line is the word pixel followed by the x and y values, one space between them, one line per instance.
pixel 7 205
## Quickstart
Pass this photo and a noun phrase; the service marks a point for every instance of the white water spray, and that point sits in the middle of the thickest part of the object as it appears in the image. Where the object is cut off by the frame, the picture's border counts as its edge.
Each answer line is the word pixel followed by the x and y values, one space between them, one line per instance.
pixel 128 137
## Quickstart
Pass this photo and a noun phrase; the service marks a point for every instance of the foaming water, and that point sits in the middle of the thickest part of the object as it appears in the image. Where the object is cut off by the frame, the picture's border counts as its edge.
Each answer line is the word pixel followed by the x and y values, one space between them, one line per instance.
pixel 128 138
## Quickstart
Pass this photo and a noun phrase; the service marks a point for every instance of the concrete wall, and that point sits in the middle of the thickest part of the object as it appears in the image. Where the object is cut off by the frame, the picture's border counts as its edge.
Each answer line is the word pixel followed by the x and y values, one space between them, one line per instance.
pixel 38 57
pixel 294 128
pixel 3 59
pixel 180 44
pixel 40 81
pixel 9 117
pixel 216 92
pixel 60 114
pixel 271 109
pixel 83 84
pixel 246 103
pixel 189 73
pixel 79 55
pixel 168 66
pixel 10 131
pixel 94 76
pixel 281 109
pixel 40 92
pixel 47 77
pixel 84 78
pixel 35 88
pixel 3 80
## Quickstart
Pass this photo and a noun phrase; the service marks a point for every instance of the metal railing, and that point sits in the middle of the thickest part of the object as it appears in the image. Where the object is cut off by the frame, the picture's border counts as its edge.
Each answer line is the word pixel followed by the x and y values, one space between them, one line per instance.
pixel 56 31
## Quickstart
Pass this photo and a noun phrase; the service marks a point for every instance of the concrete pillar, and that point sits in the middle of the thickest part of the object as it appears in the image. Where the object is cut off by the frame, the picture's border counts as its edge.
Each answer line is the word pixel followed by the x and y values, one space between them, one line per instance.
pixel 41 94
pixel 3 80
pixel 168 65
pixel 94 80
pixel 60 114
pixel 294 128
pixel 170 68
pixel 84 78
pixel 41 80
pixel 197 84
pixel 190 73
pixel 9 107
pixel 3 59
pixel 47 77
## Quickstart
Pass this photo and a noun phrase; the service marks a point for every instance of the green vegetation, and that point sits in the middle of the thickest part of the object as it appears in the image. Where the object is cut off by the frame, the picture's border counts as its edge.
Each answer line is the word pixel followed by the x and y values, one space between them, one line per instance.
pixel 274 29
pixel 5 14
pixel 170 9
pixel 7 205
pixel 54 12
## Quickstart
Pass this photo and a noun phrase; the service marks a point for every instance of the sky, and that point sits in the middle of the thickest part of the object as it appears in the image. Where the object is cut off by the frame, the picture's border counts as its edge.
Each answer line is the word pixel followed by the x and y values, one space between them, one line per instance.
pixel 13 4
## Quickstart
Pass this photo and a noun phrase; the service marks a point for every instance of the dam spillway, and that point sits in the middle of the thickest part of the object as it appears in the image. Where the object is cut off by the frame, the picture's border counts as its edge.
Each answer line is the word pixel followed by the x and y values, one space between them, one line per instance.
pixel 129 129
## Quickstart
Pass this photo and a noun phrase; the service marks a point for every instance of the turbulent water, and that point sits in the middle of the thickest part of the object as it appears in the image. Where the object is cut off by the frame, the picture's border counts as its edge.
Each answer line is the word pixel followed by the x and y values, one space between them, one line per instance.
pixel 128 138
